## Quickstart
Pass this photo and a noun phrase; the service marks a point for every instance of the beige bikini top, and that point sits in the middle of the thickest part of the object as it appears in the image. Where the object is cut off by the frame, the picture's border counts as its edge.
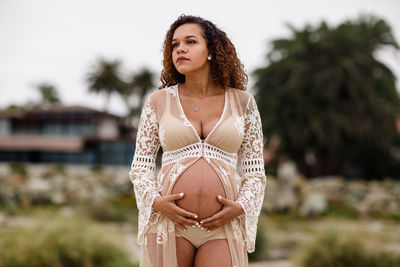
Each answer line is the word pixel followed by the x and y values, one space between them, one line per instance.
pixel 179 138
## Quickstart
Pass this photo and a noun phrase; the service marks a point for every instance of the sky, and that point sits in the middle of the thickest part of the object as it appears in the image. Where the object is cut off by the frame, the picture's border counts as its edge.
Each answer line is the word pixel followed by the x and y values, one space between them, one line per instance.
pixel 59 41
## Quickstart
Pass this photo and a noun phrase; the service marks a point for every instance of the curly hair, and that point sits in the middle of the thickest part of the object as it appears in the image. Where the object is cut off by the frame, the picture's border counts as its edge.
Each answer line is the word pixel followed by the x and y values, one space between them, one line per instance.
pixel 226 68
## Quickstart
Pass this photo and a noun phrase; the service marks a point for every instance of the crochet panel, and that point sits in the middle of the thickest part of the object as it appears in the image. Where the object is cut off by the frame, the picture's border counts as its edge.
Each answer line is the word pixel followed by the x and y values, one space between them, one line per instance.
pixel 142 172
pixel 253 178
pixel 197 150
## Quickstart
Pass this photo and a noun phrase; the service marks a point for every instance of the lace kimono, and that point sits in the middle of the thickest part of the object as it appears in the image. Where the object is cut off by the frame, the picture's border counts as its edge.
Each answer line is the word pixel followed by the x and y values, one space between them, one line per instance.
pixel 237 133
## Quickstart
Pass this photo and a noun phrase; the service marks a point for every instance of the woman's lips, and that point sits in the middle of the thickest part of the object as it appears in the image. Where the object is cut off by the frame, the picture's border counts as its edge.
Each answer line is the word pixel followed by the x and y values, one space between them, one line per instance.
pixel 181 59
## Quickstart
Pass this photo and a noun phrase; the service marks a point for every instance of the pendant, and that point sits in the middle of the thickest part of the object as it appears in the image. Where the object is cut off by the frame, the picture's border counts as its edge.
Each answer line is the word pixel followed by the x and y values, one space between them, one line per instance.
pixel 196 109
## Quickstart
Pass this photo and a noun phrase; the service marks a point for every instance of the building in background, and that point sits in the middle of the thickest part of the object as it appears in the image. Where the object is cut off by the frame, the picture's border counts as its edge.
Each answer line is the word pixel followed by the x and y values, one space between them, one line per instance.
pixel 65 134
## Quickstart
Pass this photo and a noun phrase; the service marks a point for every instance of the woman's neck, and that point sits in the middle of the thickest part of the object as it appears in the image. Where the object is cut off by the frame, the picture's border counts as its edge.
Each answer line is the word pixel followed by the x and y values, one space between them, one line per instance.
pixel 201 87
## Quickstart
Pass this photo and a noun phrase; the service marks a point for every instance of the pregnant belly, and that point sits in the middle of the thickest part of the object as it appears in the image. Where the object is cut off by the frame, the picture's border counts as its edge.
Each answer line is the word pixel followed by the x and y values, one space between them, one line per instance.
pixel 201 186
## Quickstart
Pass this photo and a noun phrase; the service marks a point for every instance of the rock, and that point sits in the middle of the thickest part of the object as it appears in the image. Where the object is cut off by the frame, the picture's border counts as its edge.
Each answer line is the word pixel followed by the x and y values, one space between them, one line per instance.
pixel 355 192
pixel 314 204
pixel 378 200
pixel 58 197
pixel 287 199
pixel 38 186
pixel 287 171
pixel 290 192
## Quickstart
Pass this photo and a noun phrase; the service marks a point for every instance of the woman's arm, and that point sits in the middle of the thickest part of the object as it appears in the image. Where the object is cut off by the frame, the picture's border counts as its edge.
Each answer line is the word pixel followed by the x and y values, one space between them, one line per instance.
pixel 253 178
pixel 142 172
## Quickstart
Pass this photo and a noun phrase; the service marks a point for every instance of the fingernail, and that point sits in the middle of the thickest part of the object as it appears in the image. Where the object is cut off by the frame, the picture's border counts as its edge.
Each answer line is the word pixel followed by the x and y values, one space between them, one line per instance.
pixel 202 227
pixel 219 197
pixel 208 231
pixel 197 224
pixel 193 225
pixel 181 194
pixel 196 216
pixel 184 229
pixel 201 222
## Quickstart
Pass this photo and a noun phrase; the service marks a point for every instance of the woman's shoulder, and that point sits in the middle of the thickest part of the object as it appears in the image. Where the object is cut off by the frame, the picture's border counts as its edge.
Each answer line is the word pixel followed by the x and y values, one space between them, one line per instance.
pixel 157 96
pixel 161 93
pixel 241 93
pixel 242 96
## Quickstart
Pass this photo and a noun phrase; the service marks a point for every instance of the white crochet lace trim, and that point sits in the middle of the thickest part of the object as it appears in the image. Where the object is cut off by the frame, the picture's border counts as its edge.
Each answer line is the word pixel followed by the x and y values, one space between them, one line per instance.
pixel 252 165
pixel 146 162
pixel 200 149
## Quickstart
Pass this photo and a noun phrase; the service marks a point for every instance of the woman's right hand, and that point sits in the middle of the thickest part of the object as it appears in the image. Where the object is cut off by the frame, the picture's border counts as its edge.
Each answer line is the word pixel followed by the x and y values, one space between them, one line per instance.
pixel 167 206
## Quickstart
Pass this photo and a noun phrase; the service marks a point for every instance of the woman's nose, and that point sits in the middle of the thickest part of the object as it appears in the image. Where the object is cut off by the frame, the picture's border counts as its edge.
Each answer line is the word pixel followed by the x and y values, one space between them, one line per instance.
pixel 181 49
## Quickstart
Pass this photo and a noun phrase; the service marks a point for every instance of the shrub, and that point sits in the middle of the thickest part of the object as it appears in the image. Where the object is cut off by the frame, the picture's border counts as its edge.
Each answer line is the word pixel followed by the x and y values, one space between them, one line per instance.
pixel 97 169
pixel 330 249
pixel 384 259
pixel 18 168
pixel 59 169
pixel 338 208
pixel 121 209
pixel 61 243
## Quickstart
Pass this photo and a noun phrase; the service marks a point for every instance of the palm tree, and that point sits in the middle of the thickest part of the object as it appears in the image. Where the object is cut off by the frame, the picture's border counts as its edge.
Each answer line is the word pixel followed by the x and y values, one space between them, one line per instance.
pixel 143 82
pixel 49 93
pixel 330 100
pixel 105 77
pixel 139 85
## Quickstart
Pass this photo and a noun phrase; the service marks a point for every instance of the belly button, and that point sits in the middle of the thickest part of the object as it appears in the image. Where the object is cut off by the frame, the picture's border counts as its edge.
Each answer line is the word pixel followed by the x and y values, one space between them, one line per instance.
pixel 201 195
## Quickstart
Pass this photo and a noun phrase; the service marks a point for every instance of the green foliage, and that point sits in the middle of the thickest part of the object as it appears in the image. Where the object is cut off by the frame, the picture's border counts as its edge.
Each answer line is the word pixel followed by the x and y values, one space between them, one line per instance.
pixel 384 259
pixel 382 215
pixel 139 85
pixel 142 81
pixel 60 169
pixel 48 93
pixel 61 242
pixel 14 107
pixel 97 169
pixel 122 209
pixel 18 168
pixel 105 77
pixel 331 102
pixel 260 253
pixel 330 249
pixel 341 209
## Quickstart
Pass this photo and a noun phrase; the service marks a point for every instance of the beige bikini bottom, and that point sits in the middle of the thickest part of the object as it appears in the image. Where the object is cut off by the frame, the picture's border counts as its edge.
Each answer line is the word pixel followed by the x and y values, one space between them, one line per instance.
pixel 195 235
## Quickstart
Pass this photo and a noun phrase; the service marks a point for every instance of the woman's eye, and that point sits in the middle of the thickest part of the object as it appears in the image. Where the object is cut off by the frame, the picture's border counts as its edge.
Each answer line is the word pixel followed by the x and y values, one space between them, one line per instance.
pixel 191 41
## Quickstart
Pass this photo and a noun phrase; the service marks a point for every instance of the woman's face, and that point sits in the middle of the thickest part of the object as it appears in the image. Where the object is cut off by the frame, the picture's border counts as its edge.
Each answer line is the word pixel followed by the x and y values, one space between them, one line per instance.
pixel 189 49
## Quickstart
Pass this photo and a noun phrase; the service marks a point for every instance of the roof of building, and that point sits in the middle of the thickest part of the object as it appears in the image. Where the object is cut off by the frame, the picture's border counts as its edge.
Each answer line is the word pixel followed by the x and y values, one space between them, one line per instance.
pixel 56 108
pixel 42 143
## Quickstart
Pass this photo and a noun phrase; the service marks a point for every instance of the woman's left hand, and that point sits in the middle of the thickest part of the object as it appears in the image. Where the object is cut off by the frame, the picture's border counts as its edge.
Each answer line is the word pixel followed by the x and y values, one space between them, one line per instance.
pixel 230 210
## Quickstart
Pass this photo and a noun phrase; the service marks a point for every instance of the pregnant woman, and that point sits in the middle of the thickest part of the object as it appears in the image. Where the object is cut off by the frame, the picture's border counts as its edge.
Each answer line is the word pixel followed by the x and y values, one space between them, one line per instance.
pixel 197 210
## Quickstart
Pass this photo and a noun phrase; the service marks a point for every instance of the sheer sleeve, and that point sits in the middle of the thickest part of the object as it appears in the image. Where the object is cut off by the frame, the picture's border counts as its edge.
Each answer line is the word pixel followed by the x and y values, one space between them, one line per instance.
pixel 253 178
pixel 142 172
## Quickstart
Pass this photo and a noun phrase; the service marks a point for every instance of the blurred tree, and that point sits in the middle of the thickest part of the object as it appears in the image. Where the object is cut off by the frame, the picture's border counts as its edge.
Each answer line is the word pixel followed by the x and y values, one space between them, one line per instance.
pixel 49 93
pixel 14 107
pixel 105 77
pixel 138 86
pixel 332 103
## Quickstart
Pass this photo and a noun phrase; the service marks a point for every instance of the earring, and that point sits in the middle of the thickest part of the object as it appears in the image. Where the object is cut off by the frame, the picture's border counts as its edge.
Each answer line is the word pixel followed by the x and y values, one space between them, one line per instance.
pixel 209 57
